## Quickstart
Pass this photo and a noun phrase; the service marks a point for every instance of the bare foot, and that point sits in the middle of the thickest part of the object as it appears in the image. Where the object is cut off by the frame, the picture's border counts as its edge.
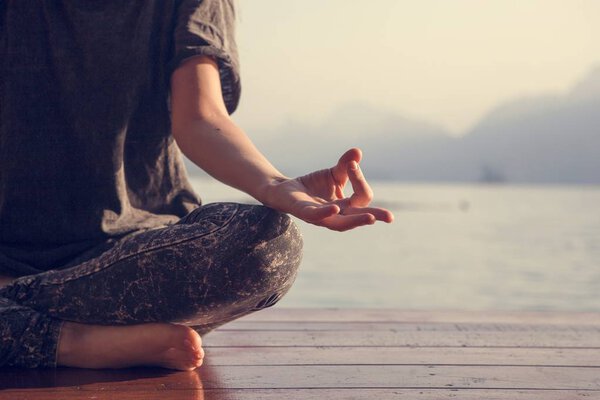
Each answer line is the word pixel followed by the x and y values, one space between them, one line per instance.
pixel 96 346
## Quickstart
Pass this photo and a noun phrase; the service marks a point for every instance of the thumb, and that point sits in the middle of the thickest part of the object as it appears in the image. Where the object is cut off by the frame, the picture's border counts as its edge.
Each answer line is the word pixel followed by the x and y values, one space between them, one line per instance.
pixel 340 171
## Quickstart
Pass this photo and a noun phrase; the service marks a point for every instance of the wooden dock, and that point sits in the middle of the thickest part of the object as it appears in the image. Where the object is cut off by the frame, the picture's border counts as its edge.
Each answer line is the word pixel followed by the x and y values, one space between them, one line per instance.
pixel 359 354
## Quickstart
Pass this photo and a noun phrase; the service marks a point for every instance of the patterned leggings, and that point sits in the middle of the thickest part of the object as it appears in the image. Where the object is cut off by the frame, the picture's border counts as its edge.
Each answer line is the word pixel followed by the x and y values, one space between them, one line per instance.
pixel 218 263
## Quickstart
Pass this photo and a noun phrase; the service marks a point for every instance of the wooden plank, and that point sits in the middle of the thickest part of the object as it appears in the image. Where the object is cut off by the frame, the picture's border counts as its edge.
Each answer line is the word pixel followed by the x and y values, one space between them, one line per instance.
pixel 311 338
pixel 309 394
pixel 388 376
pixel 419 316
pixel 402 326
pixel 408 394
pixel 341 376
pixel 401 356
pixel 310 354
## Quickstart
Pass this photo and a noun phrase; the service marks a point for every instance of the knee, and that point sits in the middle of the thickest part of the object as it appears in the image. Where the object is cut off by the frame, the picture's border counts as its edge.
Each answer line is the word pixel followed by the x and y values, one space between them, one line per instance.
pixel 277 250
pixel 248 263
pixel 272 257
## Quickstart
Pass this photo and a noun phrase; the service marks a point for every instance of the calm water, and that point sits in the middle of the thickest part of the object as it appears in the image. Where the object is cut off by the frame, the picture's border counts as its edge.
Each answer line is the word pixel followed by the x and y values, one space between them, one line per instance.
pixel 456 246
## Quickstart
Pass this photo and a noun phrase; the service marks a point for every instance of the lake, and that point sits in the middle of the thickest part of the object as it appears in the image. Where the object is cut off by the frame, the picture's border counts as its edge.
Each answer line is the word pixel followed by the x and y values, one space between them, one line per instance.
pixel 474 247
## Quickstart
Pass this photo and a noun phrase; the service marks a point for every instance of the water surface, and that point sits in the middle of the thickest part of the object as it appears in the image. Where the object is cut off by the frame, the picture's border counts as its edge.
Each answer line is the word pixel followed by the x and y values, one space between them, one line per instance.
pixel 455 247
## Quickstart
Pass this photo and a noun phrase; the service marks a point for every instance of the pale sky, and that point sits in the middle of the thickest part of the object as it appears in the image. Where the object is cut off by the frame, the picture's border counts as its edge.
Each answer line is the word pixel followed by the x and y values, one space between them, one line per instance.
pixel 443 61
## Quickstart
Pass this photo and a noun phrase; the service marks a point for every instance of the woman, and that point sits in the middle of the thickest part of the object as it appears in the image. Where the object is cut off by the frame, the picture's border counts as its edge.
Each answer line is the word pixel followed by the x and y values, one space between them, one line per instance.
pixel 107 254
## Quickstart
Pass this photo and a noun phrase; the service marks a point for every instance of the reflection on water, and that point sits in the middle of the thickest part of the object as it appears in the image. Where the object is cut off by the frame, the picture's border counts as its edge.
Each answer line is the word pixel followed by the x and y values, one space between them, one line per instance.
pixel 456 246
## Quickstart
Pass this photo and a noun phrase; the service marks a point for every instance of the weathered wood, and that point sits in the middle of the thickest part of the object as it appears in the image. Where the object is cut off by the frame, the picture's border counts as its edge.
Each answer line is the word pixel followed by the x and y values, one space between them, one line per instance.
pixel 401 356
pixel 402 326
pixel 327 376
pixel 394 376
pixel 565 339
pixel 399 315
pixel 359 354
pixel 309 394
pixel 394 394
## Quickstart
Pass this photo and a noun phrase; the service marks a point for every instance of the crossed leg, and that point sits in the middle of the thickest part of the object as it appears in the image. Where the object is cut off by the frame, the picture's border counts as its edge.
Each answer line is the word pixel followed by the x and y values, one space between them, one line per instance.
pixel 134 304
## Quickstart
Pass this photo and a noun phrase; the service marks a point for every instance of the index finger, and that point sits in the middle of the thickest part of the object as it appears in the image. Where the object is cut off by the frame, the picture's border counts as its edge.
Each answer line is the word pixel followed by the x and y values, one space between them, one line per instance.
pixel 340 170
pixel 363 194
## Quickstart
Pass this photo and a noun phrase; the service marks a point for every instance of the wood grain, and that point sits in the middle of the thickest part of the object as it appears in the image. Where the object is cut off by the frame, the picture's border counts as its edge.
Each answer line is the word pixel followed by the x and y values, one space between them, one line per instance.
pixel 401 356
pixel 311 338
pixel 328 376
pixel 358 354
pixel 309 394
pixel 399 315
pixel 312 394
pixel 403 326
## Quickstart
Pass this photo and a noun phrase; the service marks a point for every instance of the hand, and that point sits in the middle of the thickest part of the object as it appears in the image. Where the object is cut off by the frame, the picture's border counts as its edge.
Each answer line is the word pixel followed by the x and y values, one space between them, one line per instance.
pixel 318 197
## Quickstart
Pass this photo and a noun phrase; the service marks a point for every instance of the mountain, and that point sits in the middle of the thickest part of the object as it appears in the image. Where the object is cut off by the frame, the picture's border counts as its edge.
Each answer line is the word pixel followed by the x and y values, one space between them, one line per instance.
pixel 541 139
pixel 386 138
pixel 549 139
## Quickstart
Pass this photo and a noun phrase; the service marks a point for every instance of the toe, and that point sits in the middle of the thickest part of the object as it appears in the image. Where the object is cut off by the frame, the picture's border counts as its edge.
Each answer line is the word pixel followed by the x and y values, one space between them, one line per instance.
pixel 189 338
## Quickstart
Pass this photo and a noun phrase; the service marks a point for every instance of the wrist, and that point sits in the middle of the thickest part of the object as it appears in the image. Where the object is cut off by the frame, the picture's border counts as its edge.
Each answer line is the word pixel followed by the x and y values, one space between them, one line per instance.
pixel 266 192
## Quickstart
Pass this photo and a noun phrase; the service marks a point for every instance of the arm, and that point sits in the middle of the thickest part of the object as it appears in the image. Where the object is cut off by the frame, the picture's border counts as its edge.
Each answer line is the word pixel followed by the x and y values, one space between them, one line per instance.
pixel 210 139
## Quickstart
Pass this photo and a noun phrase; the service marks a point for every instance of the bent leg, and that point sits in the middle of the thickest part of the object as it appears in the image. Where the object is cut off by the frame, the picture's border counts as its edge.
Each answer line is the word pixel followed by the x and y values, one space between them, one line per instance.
pixel 29 339
pixel 219 262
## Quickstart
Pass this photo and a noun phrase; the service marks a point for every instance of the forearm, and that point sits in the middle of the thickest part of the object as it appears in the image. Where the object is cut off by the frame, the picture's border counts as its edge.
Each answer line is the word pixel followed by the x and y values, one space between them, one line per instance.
pixel 206 135
pixel 222 149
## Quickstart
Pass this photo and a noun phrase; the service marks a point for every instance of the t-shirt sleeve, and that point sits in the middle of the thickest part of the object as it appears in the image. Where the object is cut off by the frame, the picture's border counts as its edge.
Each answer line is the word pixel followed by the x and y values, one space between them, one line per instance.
pixel 207 27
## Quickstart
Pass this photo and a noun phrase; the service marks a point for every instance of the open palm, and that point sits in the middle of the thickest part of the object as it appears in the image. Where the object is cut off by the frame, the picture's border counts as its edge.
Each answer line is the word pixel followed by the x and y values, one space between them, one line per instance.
pixel 318 197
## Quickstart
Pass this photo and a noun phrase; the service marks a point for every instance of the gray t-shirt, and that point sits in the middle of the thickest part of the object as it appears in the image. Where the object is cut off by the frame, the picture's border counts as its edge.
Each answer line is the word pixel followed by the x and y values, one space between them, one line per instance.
pixel 86 152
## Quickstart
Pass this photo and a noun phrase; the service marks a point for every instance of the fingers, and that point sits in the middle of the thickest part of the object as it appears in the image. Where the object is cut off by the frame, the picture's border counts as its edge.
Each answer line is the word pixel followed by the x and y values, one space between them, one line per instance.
pixel 348 168
pixel 354 217
pixel 342 223
pixel 363 195
pixel 339 191
pixel 330 216
pixel 314 214
pixel 340 171
pixel 380 214
pixel 326 210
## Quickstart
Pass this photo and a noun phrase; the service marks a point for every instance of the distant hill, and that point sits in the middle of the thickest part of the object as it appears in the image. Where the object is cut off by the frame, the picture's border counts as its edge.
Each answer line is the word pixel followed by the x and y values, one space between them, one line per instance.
pixel 544 139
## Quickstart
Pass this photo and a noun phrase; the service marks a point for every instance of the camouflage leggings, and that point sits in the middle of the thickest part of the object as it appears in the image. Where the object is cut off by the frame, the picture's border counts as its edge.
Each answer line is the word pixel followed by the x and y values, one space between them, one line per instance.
pixel 219 262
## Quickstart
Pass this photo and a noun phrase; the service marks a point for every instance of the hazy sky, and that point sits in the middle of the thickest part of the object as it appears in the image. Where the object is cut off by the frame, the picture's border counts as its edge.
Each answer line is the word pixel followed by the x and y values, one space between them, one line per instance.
pixel 444 61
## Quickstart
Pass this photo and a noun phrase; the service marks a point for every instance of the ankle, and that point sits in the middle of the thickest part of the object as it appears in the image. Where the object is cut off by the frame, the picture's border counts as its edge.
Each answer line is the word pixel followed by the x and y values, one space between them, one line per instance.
pixel 71 342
